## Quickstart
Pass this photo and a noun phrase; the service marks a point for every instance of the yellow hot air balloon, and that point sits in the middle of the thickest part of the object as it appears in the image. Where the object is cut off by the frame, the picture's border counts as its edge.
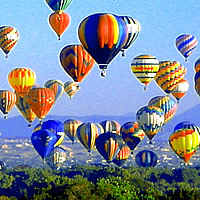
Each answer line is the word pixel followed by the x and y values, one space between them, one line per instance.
pixel 21 80
pixel 184 142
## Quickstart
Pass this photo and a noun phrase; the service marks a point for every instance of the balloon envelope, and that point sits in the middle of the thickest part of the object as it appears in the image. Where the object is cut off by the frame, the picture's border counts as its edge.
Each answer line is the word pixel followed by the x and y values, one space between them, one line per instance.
pixel 71 88
pixel 111 126
pixel 58 5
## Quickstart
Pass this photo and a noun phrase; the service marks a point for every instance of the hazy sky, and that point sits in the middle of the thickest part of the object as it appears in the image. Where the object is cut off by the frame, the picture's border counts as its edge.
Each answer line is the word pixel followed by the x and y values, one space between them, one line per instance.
pixel 119 92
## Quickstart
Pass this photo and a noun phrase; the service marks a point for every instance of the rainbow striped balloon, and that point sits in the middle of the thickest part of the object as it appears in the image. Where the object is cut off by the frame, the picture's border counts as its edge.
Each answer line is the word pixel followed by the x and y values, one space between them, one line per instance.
pixel 186 44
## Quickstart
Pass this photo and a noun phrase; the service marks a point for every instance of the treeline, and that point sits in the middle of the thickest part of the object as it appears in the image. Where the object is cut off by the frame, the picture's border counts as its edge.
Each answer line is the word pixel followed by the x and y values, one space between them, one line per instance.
pixel 94 182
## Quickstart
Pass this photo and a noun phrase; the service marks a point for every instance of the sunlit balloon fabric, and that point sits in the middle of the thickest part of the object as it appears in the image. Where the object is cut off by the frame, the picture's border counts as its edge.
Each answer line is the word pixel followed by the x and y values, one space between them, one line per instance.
pixel 70 128
pixel 150 119
pixel 57 86
pixel 59 21
pixel 167 104
pixel 180 90
pixel 111 126
pixel 58 5
pixel 21 80
pixel 132 134
pixel 7 101
pixel 170 73
pixel 197 82
pixel 145 67
pixel 197 65
pixel 103 36
pixel 133 27
pixel 71 88
pixel 8 38
pixel 184 142
pixel 146 158
pixel 87 134
pixel 41 101
pixel 186 43
pixel 76 61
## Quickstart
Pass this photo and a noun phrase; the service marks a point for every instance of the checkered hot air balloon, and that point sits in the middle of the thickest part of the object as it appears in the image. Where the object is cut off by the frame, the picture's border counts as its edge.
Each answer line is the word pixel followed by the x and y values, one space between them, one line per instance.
pixel 186 44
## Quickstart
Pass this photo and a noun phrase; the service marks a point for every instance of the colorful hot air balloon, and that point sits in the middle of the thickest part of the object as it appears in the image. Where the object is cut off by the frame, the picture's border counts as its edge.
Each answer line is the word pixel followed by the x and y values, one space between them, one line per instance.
pixel 56 158
pixel 43 141
pixel 7 101
pixel 109 145
pixel 70 128
pixel 145 67
pixel 71 88
pixel 186 44
pixel 150 119
pixel 111 126
pixel 21 80
pixel 76 62
pixel 59 21
pixel 197 65
pixel 103 36
pixel 132 134
pixel 184 142
pixel 197 82
pixel 41 101
pixel 87 134
pixel 57 86
pixel 180 90
pixel 24 108
pixel 58 5
pixel 8 38
pixel 167 104
pixel 146 158
pixel 133 27
pixel 170 73
pixel 122 156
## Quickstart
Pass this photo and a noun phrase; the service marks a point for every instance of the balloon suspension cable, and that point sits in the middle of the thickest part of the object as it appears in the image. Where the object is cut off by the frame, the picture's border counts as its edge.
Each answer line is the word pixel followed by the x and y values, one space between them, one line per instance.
pixel 5 117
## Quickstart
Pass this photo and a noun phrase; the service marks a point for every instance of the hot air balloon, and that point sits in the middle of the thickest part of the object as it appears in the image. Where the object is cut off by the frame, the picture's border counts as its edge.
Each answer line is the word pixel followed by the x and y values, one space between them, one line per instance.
pixel 57 86
pixel 122 156
pixel 41 101
pixel 170 73
pixel 56 158
pixel 145 67
pixel 197 82
pixel 186 44
pixel 167 104
pixel 184 142
pixel 87 134
pixel 76 62
pixel 132 134
pixel 59 21
pixel 70 128
pixel 56 127
pixel 103 36
pixel 180 90
pixel 150 119
pixel 8 38
pixel 71 88
pixel 197 65
pixel 111 126
pixel 24 108
pixel 58 5
pixel 146 158
pixel 133 27
pixel 7 101
pixel 109 145
pixel 21 80
pixel 43 141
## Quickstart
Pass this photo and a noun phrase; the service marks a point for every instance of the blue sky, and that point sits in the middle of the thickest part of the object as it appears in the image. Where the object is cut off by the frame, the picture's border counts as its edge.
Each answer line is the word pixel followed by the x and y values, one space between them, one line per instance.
pixel 119 92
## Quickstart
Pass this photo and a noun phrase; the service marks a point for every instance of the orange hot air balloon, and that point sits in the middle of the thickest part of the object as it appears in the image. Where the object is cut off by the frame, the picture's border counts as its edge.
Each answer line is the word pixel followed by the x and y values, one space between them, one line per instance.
pixel 59 22
pixel 21 80
pixel 7 101
pixel 41 101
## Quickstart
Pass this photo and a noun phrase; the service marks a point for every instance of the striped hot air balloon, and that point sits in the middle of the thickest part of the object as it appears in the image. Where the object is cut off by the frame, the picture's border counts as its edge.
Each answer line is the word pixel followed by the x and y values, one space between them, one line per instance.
pixel 145 67
pixel 133 27
pixel 111 126
pixel 76 62
pixel 197 82
pixel 71 88
pixel 58 5
pixel 184 142
pixel 170 73
pixel 197 65
pixel 186 44
pixel 9 36
pixel 21 80
pixel 7 101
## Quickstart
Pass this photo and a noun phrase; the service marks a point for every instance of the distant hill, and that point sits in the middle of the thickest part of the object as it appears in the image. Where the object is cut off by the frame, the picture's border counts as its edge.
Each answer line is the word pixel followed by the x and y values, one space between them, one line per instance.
pixel 18 127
